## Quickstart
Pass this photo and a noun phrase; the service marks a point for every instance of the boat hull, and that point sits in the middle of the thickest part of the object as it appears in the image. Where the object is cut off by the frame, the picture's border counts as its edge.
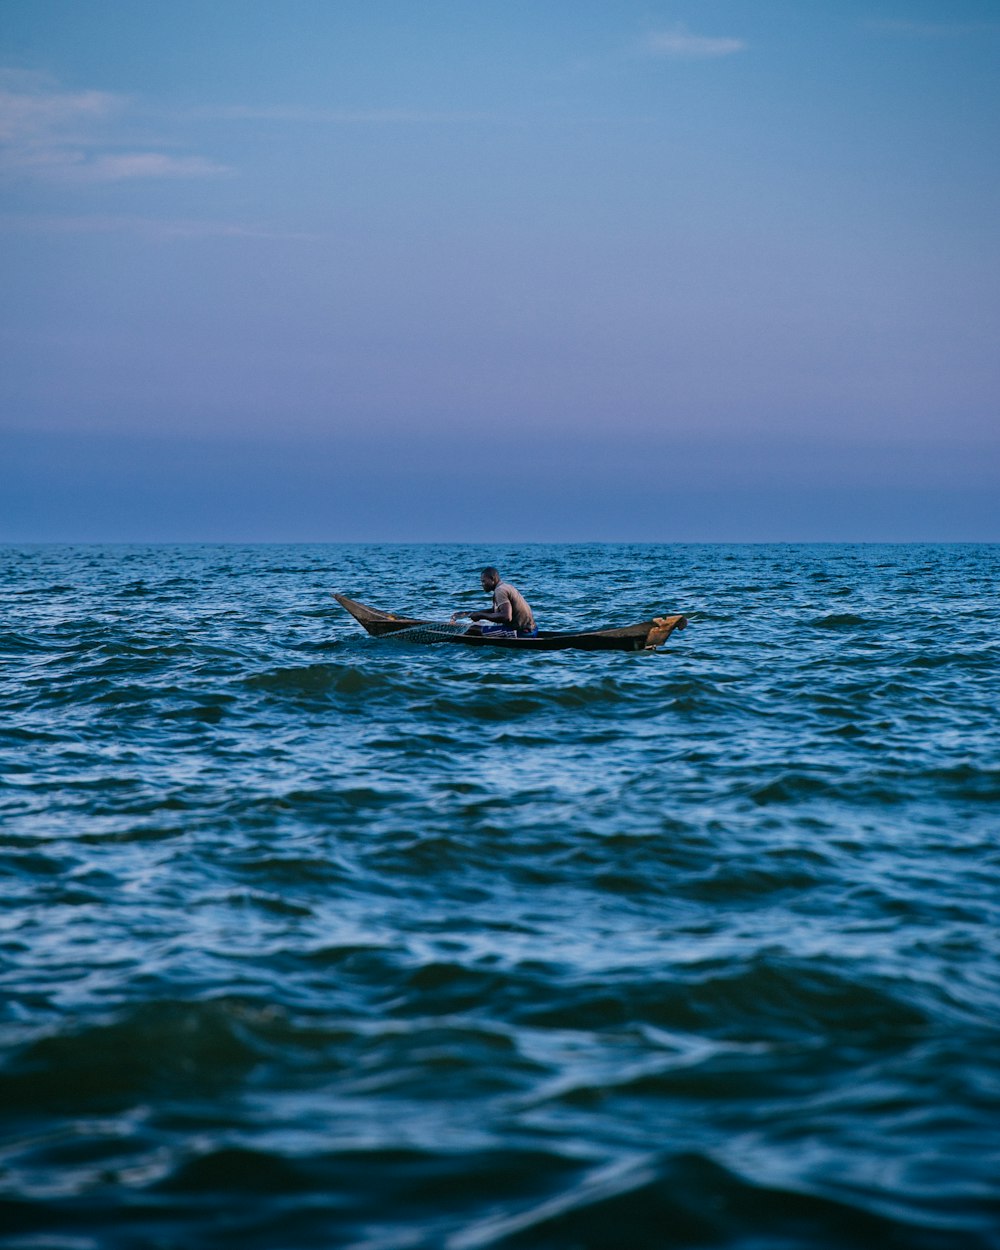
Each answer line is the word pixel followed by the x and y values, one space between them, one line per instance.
pixel 644 636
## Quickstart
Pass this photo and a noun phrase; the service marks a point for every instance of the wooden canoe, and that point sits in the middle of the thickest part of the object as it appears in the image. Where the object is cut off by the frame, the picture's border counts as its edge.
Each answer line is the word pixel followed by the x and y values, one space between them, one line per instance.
pixel 645 636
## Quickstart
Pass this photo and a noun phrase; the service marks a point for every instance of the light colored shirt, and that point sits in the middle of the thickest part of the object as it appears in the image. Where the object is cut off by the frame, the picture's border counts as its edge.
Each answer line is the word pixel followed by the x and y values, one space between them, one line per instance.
pixel 521 616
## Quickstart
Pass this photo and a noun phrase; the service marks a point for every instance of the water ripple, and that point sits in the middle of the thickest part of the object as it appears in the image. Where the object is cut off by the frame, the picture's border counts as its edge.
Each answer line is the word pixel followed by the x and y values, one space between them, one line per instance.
pixel 310 941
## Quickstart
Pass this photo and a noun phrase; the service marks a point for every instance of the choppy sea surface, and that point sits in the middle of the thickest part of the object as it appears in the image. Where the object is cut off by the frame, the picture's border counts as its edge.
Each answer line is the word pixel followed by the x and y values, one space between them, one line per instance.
pixel 312 940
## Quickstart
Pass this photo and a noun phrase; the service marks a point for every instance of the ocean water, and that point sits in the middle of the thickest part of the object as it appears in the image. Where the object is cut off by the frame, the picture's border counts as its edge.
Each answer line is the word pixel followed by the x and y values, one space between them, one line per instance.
pixel 313 940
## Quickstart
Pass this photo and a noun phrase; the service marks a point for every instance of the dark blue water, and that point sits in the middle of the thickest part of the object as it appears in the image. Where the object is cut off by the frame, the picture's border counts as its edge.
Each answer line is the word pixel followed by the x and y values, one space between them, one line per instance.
pixel 310 940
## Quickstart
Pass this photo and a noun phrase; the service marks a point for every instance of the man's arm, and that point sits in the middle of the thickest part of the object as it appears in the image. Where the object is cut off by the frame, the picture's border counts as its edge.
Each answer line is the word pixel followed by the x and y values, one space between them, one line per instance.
pixel 502 613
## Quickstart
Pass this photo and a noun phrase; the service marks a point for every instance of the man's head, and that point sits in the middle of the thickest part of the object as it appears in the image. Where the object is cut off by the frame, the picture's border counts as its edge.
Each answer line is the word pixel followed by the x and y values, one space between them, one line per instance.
pixel 490 578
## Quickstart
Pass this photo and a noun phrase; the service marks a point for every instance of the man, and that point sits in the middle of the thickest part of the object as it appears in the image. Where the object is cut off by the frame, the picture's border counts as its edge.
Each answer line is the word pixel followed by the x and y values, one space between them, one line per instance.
pixel 510 613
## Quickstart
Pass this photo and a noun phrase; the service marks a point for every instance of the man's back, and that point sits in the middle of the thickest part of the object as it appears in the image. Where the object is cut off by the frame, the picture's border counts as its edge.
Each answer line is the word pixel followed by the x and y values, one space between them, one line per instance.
pixel 521 616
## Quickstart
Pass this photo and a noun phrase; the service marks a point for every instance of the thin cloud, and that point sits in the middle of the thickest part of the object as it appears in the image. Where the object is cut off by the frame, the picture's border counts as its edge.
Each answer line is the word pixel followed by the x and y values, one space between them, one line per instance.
pixel 48 132
pixel 31 108
pixel 128 165
pixel 681 43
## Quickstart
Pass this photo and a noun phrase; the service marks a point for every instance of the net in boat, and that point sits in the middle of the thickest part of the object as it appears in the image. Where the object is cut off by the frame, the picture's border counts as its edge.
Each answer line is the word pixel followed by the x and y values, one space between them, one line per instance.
pixel 428 631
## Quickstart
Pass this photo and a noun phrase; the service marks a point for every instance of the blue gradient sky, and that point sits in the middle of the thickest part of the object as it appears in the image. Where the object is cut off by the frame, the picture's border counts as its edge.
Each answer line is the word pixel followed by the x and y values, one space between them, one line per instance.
pixel 363 270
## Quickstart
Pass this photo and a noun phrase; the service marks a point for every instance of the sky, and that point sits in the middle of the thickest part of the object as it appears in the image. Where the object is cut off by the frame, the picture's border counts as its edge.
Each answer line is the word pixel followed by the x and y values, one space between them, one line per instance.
pixel 553 270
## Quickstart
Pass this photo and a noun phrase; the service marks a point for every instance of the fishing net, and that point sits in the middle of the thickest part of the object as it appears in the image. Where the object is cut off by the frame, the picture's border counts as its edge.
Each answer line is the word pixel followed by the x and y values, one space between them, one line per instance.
pixel 428 631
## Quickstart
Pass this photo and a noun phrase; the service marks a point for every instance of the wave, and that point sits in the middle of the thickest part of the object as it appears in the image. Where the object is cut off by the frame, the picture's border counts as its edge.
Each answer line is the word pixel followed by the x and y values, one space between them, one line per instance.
pixel 842 620
pixel 308 941
pixel 134 1055
pixel 485 1198
pixel 767 997
pixel 321 679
